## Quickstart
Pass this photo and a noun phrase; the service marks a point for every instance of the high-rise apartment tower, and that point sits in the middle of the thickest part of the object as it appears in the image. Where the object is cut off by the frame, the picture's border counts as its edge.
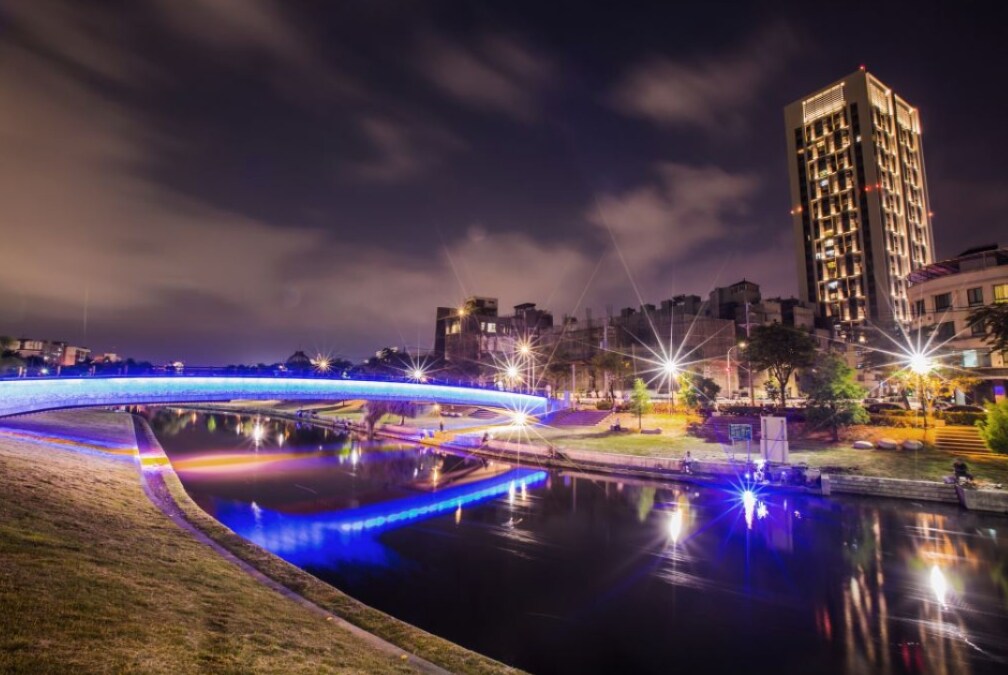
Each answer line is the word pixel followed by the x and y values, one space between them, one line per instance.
pixel 859 201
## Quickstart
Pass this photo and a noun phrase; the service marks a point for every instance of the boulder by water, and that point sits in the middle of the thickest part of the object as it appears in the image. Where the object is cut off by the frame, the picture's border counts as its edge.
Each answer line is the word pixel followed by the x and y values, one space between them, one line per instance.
pixel 910 444
pixel 863 445
pixel 888 444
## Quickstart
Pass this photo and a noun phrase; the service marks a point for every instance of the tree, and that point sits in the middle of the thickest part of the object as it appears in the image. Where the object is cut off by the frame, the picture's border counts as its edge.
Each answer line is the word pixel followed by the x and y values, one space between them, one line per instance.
pixel 697 390
pixel 994 429
pixel 834 398
pixel 936 383
pixel 10 362
pixel 993 319
pixel 781 350
pixel 402 408
pixel 373 412
pixel 613 364
pixel 640 402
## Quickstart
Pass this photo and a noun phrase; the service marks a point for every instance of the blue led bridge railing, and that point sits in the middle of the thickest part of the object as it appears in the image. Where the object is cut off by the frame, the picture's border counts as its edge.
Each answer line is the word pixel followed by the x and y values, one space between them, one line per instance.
pixel 30 395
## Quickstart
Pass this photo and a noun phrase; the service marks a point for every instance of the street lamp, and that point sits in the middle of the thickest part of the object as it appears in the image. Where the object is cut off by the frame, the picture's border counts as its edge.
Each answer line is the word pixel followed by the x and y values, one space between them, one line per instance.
pixel 512 374
pixel 920 365
pixel 528 358
pixel 741 345
pixel 671 369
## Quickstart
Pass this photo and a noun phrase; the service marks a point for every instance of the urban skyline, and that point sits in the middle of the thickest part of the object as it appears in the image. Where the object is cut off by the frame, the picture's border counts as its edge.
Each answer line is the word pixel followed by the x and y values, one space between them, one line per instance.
pixel 265 166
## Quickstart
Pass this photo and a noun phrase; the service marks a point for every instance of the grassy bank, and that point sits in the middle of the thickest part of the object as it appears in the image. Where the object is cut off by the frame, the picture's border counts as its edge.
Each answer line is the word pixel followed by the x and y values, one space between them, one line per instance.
pixel 94 578
pixel 673 442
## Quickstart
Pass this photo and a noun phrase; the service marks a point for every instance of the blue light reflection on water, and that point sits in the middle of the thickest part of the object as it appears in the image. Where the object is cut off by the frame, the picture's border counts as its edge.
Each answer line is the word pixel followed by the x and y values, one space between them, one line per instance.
pixel 349 533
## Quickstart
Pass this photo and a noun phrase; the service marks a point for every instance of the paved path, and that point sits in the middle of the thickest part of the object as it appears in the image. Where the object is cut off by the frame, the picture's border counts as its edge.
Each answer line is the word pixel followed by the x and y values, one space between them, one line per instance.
pixel 152 479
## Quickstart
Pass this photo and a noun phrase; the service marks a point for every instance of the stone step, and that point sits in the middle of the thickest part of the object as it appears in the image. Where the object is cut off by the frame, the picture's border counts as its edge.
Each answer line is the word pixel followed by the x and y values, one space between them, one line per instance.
pixel 975 447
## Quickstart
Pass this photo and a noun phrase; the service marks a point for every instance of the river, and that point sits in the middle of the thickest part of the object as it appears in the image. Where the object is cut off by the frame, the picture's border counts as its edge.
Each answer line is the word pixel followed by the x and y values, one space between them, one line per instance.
pixel 567 572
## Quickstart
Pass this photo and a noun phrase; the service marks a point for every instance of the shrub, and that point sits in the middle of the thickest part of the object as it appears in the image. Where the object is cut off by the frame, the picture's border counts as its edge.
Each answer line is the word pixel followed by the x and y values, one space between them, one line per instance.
pixel 603 405
pixel 968 419
pixel 898 420
pixel 994 429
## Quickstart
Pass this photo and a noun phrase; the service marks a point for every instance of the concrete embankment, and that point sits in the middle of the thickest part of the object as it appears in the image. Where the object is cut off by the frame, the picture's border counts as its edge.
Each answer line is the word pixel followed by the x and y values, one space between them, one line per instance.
pixel 716 473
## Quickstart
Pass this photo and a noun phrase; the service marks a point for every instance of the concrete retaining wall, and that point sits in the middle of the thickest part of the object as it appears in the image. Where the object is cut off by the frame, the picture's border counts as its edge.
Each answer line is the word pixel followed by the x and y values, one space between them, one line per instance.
pixel 896 488
pixel 993 501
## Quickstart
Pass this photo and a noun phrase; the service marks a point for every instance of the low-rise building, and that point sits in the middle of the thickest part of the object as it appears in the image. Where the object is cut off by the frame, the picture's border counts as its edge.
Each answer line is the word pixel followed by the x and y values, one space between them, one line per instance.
pixel 474 338
pixel 942 297
pixel 53 353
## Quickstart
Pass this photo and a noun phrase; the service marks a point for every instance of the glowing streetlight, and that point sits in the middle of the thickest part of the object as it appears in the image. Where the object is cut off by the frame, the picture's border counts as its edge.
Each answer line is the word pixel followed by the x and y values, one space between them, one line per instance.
pixel 322 363
pixel 524 349
pixel 921 364
pixel 671 370
pixel 519 419
pixel 419 375
pixel 512 372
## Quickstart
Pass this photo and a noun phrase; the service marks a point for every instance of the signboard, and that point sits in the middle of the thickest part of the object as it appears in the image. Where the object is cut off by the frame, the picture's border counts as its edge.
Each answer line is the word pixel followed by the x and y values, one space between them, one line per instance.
pixel 774 439
pixel 740 432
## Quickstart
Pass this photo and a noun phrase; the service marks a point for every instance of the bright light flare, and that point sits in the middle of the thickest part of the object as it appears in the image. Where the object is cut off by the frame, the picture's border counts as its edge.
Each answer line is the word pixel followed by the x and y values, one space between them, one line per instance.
pixel 749 506
pixel 419 375
pixel 519 419
pixel 512 372
pixel 675 524
pixel 939 584
pixel 258 433
pixel 670 367
pixel 921 364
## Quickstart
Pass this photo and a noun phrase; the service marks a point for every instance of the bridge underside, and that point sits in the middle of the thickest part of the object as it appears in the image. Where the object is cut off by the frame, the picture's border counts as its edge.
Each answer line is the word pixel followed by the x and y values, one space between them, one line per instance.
pixel 34 395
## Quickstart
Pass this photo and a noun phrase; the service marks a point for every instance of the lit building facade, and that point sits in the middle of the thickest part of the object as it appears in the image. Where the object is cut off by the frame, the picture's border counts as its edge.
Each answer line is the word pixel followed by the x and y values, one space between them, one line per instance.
pixel 859 201
pixel 474 337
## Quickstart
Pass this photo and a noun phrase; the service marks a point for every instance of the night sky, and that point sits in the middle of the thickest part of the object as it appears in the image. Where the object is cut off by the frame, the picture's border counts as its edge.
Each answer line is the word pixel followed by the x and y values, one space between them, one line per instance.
pixel 230 180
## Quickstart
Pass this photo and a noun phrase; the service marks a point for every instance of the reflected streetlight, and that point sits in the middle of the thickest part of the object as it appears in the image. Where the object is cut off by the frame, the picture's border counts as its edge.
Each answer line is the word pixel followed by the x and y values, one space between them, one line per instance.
pixel 675 524
pixel 939 584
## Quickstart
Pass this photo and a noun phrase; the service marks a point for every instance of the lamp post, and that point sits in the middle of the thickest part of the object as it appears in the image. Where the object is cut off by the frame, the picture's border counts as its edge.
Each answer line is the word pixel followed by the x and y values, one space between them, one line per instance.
pixel 671 369
pixel 728 356
pixel 525 349
pixel 921 365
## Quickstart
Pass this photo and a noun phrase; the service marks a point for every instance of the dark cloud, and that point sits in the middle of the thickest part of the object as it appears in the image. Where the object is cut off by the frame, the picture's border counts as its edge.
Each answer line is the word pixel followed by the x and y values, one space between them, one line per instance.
pixel 226 180
pixel 494 73
pixel 707 92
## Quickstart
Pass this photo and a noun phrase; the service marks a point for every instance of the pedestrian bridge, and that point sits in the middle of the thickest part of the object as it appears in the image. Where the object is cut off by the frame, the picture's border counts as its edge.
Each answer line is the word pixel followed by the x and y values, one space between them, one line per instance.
pixel 18 396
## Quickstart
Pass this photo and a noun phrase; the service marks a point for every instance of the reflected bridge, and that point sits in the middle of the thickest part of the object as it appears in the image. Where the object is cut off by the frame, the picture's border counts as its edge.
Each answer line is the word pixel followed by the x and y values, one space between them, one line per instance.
pixel 18 396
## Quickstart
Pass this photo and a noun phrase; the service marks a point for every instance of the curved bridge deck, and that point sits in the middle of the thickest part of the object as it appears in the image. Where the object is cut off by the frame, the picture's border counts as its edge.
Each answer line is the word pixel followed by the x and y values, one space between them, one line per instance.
pixel 20 396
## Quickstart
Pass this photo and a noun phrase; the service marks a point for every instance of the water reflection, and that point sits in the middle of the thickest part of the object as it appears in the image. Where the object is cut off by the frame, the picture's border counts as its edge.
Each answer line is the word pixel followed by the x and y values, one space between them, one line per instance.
pixel 588 574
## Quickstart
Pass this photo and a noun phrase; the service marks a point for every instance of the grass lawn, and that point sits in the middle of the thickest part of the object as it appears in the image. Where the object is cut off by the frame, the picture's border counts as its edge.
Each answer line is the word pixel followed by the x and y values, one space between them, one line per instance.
pixel 671 442
pixel 94 578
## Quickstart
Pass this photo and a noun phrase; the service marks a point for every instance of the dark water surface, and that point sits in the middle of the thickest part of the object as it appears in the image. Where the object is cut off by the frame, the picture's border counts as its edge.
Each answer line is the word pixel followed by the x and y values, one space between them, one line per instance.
pixel 557 572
